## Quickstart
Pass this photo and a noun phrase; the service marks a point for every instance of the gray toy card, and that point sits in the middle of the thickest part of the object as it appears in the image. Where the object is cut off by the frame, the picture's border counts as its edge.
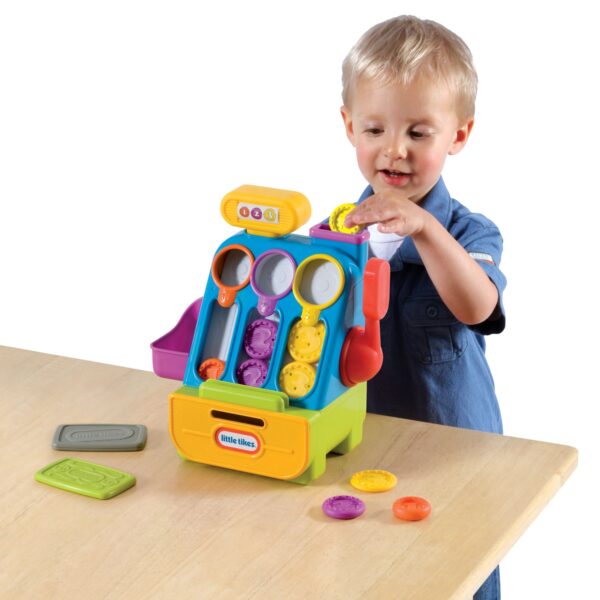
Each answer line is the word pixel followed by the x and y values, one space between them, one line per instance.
pixel 100 437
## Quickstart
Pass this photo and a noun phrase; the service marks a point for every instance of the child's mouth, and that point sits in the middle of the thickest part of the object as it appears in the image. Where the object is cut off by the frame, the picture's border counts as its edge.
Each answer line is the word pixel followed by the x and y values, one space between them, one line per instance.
pixel 394 177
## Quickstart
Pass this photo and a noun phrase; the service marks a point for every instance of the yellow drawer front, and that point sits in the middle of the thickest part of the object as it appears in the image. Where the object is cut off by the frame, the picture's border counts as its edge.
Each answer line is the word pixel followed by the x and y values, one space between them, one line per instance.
pixel 248 439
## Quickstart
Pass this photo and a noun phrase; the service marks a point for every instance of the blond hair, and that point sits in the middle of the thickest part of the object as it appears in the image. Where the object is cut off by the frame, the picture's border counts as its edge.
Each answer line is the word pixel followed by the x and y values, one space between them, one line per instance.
pixel 402 48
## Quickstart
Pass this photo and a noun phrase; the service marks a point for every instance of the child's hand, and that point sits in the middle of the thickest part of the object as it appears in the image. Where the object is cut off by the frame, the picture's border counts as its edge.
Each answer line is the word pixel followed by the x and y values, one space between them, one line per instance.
pixel 462 284
pixel 394 212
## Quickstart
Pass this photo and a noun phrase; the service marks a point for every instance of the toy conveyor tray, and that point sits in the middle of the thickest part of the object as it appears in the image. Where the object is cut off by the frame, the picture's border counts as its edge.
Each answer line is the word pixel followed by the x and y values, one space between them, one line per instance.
pixel 170 352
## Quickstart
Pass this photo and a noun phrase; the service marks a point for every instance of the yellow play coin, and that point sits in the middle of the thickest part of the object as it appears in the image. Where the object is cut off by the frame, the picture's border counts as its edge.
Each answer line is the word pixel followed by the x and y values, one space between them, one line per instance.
pixel 373 480
pixel 297 378
pixel 336 219
pixel 306 341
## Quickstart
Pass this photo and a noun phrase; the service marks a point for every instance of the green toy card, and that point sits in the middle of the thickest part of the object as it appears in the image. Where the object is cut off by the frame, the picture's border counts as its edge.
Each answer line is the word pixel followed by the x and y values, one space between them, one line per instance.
pixel 86 478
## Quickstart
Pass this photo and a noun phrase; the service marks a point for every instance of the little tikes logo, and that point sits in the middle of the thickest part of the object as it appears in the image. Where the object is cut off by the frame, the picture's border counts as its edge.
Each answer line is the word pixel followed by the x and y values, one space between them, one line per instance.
pixel 242 441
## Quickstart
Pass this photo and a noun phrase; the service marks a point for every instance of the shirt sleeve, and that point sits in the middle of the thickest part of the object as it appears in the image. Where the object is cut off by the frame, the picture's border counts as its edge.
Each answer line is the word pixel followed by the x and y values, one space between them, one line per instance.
pixel 483 241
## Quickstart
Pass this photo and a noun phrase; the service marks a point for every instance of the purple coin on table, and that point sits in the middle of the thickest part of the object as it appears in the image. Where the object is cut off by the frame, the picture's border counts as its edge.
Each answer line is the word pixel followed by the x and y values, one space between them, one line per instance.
pixel 252 372
pixel 259 338
pixel 343 507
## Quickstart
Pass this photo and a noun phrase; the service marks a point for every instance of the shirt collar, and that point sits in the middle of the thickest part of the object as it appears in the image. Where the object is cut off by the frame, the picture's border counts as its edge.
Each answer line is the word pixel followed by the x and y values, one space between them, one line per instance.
pixel 438 203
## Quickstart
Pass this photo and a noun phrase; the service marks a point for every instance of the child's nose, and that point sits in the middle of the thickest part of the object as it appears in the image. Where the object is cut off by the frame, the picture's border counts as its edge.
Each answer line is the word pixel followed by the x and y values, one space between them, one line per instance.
pixel 396 150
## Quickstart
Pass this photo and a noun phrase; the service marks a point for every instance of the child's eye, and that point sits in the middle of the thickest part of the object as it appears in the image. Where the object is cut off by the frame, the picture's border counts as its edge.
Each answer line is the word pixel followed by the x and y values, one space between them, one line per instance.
pixel 417 135
pixel 374 131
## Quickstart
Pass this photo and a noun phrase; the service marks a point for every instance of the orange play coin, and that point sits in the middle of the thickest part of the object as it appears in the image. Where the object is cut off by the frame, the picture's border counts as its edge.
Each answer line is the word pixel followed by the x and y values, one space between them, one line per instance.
pixel 211 368
pixel 411 508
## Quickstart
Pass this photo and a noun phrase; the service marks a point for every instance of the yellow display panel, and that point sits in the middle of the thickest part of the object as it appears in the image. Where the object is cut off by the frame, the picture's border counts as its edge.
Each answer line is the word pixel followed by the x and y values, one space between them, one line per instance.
pixel 265 211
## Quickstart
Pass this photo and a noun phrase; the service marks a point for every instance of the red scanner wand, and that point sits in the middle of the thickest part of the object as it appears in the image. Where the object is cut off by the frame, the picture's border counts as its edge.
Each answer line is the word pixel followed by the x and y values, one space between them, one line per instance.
pixel 361 356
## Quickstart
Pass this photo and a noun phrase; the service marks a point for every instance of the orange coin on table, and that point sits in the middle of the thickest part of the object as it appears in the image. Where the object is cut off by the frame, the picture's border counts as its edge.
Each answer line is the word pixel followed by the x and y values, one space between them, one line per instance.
pixel 411 508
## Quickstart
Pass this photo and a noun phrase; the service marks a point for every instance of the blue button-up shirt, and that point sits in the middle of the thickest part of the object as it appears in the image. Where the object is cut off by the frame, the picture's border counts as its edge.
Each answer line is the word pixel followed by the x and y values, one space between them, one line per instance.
pixel 434 367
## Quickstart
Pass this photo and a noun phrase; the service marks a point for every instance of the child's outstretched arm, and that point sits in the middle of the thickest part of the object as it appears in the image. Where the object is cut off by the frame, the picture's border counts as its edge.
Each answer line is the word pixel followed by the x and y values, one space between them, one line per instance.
pixel 461 283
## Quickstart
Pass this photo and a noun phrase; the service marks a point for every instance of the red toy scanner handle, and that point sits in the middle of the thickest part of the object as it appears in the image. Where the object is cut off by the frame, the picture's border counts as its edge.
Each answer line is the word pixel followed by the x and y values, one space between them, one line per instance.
pixel 376 296
pixel 361 356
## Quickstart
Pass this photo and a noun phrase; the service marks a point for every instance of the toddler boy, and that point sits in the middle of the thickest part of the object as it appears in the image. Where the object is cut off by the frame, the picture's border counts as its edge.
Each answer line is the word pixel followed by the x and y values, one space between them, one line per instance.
pixel 409 90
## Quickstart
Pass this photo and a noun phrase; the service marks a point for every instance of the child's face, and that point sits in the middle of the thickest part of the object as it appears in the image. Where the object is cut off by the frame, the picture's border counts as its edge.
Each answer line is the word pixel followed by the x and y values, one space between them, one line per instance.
pixel 402 134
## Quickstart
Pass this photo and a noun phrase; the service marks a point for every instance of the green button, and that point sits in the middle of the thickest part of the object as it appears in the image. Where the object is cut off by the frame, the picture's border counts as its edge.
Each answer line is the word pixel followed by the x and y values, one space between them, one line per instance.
pixel 223 391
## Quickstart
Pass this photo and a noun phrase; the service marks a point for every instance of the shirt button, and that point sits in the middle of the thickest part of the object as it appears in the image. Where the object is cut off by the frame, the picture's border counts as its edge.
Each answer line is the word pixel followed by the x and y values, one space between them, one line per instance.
pixel 432 311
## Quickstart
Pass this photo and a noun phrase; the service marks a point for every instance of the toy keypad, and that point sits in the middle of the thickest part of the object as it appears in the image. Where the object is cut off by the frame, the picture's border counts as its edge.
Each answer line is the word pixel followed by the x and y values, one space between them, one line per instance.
pixel 337 217
pixel 100 438
pixel 265 211
pixel 86 478
pixel 306 342
pixel 297 378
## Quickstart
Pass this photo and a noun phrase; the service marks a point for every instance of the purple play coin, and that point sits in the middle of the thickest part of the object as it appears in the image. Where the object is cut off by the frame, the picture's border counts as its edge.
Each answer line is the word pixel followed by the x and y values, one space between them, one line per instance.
pixel 252 372
pixel 259 338
pixel 343 507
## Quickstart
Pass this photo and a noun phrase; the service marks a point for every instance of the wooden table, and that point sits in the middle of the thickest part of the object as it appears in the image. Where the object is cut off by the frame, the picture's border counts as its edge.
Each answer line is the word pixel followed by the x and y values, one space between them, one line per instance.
pixel 191 531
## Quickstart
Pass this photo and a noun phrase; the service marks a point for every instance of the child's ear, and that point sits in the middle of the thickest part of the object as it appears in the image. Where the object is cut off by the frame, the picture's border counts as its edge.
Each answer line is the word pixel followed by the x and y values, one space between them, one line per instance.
pixel 461 135
pixel 348 124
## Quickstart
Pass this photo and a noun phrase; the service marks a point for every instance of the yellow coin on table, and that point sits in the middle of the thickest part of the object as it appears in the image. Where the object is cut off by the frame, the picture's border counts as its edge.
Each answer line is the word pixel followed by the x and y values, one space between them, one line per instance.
pixel 306 341
pixel 297 378
pixel 336 219
pixel 373 480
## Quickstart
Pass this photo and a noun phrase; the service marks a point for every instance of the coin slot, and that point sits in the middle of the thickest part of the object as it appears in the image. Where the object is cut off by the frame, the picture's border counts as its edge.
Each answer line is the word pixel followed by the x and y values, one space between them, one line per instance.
pixel 227 416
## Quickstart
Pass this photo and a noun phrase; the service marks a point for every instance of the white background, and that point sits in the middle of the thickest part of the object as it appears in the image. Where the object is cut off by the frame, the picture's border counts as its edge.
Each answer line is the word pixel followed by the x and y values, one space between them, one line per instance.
pixel 122 124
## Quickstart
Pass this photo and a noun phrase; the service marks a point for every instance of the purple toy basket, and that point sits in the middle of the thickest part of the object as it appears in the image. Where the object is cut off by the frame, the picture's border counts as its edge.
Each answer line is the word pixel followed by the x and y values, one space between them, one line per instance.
pixel 170 352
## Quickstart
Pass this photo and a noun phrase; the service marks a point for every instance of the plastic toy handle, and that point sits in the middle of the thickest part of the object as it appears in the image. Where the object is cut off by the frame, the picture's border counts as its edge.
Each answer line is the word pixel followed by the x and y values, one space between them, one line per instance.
pixel 266 306
pixel 310 315
pixel 226 296
pixel 361 356
pixel 376 288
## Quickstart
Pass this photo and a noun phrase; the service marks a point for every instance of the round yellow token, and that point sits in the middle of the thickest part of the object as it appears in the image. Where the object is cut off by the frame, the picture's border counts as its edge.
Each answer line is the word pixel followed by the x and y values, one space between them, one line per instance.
pixel 336 219
pixel 297 378
pixel 373 480
pixel 306 341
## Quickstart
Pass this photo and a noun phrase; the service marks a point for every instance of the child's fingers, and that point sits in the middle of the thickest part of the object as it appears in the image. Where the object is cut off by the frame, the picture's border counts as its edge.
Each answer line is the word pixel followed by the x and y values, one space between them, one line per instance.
pixel 398 225
pixel 391 226
pixel 361 215
pixel 378 208
pixel 353 218
pixel 366 217
pixel 349 219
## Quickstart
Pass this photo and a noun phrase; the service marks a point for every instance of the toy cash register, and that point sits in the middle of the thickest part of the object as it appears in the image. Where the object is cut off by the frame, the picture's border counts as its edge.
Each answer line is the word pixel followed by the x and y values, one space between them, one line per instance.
pixel 284 339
